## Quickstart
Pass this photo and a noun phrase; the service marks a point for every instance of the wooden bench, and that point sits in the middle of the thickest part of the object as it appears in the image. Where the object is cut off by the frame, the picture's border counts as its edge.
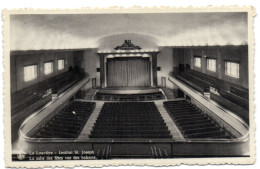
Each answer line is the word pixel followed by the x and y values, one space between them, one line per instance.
pixel 194 82
pixel 203 77
pixel 240 101
pixel 236 109
pixel 27 96
pixel 240 92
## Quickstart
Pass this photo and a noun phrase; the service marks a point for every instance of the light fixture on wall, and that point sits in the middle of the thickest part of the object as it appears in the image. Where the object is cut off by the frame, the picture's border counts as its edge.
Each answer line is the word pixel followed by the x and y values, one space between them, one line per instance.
pixel 205 52
pixel 110 56
pixel 146 55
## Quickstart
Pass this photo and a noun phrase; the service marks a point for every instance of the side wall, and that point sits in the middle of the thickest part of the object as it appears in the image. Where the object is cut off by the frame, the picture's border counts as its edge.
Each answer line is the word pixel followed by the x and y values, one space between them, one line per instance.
pixel 90 63
pixel 231 53
pixel 18 61
pixel 166 60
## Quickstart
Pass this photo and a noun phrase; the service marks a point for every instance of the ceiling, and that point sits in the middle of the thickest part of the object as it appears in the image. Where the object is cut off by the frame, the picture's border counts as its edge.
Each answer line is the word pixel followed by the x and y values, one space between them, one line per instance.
pixel 73 31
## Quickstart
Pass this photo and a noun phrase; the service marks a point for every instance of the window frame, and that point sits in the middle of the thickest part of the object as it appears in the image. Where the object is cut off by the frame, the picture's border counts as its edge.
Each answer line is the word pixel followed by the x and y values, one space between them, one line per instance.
pixel 207 65
pixel 51 61
pixel 36 72
pixel 229 74
pixel 194 58
pixel 63 64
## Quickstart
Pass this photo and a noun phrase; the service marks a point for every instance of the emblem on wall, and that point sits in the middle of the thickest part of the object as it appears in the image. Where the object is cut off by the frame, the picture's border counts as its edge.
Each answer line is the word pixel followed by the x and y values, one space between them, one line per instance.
pixel 128 46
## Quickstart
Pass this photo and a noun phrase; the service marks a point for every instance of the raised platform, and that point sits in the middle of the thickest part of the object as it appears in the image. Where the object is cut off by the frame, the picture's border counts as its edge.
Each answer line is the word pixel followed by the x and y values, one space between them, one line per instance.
pixel 128 90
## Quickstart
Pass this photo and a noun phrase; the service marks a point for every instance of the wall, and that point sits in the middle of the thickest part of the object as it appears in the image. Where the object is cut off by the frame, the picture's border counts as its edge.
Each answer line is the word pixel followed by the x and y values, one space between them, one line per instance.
pixel 90 63
pixel 166 60
pixel 21 59
pixel 146 42
pixel 221 53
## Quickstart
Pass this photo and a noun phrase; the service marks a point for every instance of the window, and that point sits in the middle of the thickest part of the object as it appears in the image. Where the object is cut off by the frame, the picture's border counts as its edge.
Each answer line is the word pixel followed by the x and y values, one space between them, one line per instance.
pixel 60 64
pixel 197 61
pixel 232 69
pixel 211 64
pixel 30 72
pixel 48 68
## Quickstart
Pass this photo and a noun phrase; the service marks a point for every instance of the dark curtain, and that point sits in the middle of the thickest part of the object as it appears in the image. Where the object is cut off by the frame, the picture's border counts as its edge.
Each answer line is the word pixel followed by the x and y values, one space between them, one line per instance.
pixel 128 72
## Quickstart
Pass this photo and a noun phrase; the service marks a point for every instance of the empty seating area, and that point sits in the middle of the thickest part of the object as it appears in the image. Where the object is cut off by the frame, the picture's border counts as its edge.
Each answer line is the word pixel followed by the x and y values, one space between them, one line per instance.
pixel 193 81
pixel 69 122
pixel 232 97
pixel 58 84
pixel 24 98
pixel 130 120
pixel 202 76
pixel 235 100
pixel 129 97
pixel 62 82
pixel 240 101
pixel 241 92
pixel 193 123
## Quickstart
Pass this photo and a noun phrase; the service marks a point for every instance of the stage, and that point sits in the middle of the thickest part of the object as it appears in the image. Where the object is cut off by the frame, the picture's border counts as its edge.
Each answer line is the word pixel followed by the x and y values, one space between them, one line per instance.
pixel 128 90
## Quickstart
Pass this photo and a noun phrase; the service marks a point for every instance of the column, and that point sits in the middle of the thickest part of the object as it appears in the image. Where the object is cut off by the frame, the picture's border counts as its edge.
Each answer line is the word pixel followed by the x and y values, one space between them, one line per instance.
pixel 41 68
pixel 151 70
pixel 105 72
pixel 102 75
pixel 191 59
pixel 203 61
pixel 154 67
pixel 19 69
pixel 220 67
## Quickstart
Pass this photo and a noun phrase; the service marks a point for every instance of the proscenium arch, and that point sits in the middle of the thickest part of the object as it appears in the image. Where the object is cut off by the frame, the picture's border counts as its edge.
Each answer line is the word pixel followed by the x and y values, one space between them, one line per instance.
pixel 147 43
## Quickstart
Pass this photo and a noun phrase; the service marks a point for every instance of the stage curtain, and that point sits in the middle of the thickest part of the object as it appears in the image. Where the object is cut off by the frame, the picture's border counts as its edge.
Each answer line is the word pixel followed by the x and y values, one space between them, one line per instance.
pixel 128 72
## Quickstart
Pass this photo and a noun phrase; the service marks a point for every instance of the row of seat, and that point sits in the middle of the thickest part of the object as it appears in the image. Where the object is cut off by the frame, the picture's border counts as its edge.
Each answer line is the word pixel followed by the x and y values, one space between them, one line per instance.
pixel 234 107
pixel 130 120
pixel 204 77
pixel 240 101
pixel 241 92
pixel 67 83
pixel 235 98
pixel 195 82
pixel 192 122
pixel 25 102
pixel 69 122
pixel 58 84
pixel 236 90
pixel 129 97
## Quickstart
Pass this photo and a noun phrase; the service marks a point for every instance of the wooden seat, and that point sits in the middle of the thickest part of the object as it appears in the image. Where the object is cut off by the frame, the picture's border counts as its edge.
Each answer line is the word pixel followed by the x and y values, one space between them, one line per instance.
pixel 192 122
pixel 240 101
pixel 242 92
pixel 130 120
pixel 65 124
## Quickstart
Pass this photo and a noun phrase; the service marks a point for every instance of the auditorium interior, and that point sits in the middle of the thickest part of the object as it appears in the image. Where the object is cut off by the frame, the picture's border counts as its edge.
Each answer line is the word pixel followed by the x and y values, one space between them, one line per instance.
pixel 131 85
